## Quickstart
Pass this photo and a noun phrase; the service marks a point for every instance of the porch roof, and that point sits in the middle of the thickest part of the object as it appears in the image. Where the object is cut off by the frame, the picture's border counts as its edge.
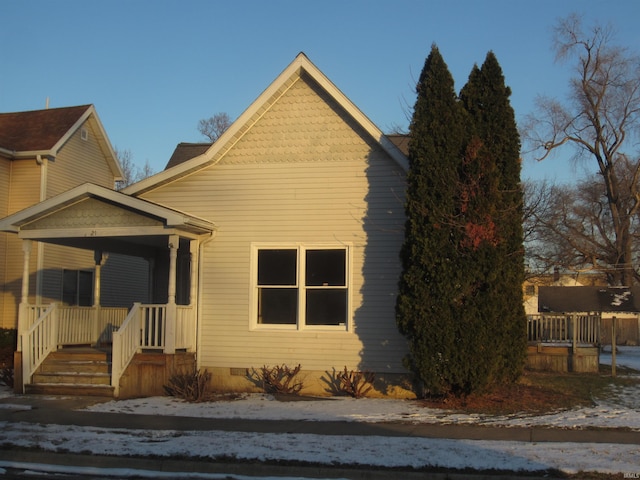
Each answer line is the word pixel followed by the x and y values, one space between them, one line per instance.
pixel 97 218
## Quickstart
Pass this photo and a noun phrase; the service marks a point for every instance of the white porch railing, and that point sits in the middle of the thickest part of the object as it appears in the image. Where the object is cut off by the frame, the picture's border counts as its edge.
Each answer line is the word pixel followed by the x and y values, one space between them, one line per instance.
pixel 77 325
pixel 185 328
pixel 143 328
pixel 39 341
pixel 153 326
pixel 126 342
pixel 575 329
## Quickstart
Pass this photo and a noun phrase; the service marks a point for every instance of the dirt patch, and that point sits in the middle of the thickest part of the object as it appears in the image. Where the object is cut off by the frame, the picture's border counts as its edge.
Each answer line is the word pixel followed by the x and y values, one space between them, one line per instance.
pixel 534 393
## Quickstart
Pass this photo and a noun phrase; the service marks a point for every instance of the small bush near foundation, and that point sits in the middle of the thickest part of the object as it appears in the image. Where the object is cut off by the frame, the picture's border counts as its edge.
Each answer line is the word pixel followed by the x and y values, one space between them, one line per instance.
pixel 191 386
pixel 281 379
pixel 356 384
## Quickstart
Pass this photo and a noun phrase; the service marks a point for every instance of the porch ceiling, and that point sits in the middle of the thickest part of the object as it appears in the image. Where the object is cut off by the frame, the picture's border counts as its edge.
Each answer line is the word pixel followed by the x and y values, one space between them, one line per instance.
pixel 96 218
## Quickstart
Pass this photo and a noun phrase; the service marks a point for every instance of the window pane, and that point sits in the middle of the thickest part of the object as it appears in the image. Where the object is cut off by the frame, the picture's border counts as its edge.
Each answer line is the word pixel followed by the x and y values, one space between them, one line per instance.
pixel 327 306
pixel 277 306
pixel 325 267
pixel 85 288
pixel 277 267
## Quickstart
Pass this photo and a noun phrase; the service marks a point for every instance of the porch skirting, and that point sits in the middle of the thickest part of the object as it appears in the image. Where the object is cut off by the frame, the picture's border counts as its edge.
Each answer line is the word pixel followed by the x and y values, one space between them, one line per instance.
pixel 148 373
pixel 563 358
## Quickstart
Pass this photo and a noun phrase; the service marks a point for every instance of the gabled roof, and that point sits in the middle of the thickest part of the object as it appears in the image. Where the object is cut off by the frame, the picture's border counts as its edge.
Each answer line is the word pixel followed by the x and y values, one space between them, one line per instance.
pixel 170 217
pixel 44 132
pixel 38 130
pixel 243 123
pixel 588 299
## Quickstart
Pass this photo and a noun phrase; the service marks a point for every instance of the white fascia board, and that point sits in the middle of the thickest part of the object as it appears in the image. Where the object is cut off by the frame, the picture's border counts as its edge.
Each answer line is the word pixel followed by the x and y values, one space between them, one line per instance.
pixel 114 162
pixel 19 155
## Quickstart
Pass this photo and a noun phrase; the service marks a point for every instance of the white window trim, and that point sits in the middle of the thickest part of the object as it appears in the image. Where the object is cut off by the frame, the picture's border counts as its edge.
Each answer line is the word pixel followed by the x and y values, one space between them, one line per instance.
pixel 301 248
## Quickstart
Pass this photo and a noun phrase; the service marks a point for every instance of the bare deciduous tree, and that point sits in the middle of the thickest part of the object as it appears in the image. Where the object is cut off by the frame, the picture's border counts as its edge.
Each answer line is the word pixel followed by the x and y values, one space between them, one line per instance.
pixel 570 226
pixel 600 119
pixel 215 126
pixel 131 172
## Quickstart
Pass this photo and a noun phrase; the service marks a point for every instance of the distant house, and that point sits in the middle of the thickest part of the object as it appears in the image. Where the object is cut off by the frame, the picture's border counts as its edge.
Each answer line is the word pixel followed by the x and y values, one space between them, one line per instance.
pixel 277 244
pixel 533 283
pixel 42 154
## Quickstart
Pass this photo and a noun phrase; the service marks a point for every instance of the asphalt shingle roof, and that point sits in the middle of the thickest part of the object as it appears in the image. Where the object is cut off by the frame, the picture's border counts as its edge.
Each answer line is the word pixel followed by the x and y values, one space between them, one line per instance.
pixel 37 129
pixel 186 151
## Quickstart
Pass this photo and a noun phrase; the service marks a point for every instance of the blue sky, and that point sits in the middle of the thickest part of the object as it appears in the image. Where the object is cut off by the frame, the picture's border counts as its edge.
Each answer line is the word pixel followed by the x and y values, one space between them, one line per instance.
pixel 153 69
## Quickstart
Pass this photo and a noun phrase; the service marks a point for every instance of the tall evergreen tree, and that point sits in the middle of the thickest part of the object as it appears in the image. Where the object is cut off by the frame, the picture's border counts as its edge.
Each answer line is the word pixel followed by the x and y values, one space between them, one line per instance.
pixel 431 279
pixel 460 297
pixel 498 216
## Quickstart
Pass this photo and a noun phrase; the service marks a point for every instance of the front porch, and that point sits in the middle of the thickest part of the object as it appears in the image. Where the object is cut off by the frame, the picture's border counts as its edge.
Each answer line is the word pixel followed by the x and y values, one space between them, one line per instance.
pixel 104 221
pixel 104 351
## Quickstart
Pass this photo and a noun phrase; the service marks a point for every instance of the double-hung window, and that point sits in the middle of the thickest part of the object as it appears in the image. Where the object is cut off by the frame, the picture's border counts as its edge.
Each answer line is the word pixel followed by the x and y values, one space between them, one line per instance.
pixel 301 286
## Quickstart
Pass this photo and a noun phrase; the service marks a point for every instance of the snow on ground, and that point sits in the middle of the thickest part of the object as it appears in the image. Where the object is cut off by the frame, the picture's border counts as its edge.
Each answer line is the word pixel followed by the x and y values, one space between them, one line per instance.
pixel 621 409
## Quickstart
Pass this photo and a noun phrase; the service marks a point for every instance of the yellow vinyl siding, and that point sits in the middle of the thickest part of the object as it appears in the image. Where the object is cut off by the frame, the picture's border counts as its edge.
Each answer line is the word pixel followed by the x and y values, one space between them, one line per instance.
pixel 24 191
pixel 303 173
pixel 79 161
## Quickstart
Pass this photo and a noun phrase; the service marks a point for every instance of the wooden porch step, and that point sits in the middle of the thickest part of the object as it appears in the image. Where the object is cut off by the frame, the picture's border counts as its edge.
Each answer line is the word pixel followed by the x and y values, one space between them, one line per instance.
pixel 74 371
pixel 64 389
pixel 73 378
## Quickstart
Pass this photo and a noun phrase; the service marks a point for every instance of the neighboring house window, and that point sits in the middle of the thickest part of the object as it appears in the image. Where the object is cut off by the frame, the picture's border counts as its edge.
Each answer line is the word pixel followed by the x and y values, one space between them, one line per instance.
pixel 301 286
pixel 77 287
pixel 530 290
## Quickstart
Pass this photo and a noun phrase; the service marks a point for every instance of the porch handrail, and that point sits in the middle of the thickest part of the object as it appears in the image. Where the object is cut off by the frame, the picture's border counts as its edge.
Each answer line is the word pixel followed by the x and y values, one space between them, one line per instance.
pixel 38 342
pixel 34 312
pixel 126 342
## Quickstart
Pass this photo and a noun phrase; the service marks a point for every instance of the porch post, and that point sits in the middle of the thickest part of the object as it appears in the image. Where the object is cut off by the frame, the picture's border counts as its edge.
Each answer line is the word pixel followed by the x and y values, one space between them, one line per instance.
pixel 99 259
pixel 24 298
pixel 170 328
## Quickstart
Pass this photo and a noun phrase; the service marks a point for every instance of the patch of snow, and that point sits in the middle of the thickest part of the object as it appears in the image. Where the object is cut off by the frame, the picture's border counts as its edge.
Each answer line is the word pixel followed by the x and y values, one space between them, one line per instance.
pixel 328 449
